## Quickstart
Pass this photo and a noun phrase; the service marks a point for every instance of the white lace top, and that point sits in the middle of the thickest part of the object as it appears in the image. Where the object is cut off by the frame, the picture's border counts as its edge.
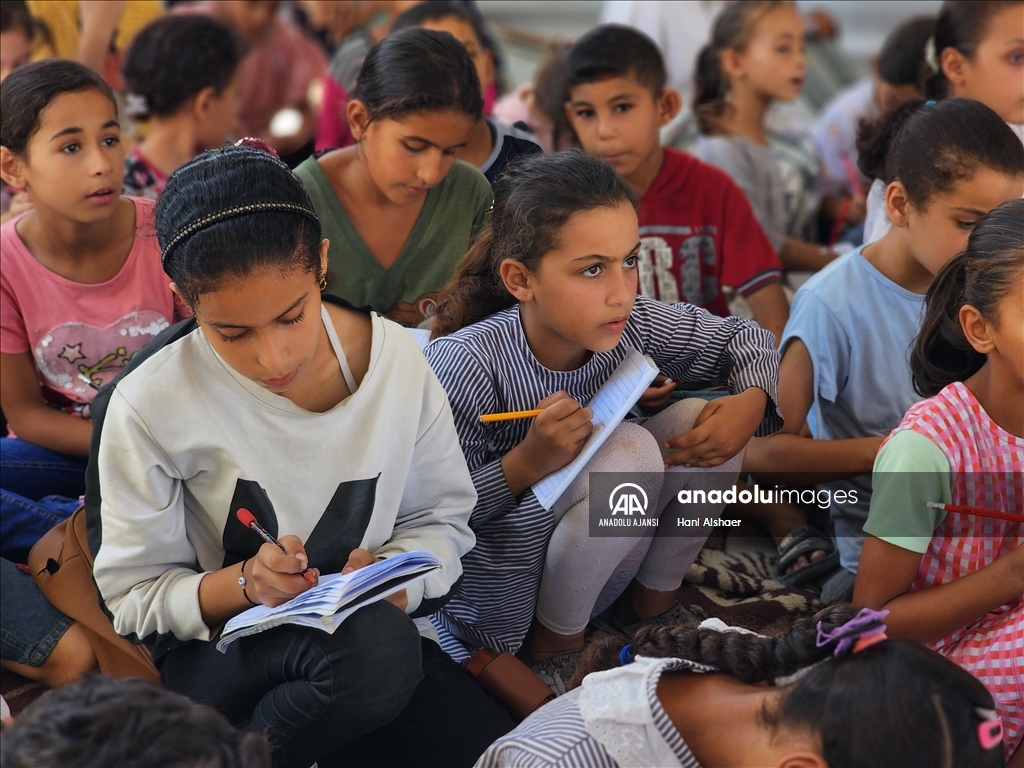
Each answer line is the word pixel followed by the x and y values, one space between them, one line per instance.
pixel 613 720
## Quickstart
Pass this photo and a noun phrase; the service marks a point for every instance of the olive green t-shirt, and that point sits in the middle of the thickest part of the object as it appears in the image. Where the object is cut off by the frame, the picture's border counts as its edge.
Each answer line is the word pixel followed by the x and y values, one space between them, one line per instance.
pixel 407 292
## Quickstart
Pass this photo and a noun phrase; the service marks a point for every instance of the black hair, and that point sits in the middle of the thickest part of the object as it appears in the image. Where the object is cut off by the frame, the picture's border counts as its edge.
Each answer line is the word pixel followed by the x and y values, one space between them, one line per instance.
pixel 435 10
pixel 986 271
pixel 418 70
pixel 175 57
pixel 98 720
pixel 902 55
pixel 893 703
pixel 612 50
pixel 961 24
pixel 931 147
pixel 238 246
pixel 14 14
pixel 533 201
pixel 29 90
pixel 732 30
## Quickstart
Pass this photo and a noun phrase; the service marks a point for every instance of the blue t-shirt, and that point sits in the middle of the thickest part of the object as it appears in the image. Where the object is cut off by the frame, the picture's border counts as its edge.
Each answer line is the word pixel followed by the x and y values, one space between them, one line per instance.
pixel 859 327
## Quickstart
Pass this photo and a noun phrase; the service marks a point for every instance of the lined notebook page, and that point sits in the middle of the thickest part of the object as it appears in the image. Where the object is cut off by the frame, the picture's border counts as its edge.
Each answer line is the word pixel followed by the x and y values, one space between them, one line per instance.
pixel 610 405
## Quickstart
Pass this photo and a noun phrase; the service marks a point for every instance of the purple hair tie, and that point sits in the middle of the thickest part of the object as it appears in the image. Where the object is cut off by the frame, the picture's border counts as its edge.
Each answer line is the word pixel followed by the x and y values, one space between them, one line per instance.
pixel 625 656
pixel 863 630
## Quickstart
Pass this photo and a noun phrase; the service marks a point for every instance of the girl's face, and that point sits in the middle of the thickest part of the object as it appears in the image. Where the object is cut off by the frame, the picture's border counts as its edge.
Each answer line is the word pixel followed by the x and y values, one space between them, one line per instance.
pixel 995 75
pixel 217 115
pixel 15 50
pixel 407 156
pixel 74 163
pixel 582 293
pixel 482 58
pixel 775 60
pixel 266 325
pixel 938 232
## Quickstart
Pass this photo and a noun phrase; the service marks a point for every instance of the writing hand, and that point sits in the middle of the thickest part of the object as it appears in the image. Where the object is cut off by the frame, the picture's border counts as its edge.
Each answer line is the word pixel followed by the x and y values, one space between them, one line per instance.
pixel 274 576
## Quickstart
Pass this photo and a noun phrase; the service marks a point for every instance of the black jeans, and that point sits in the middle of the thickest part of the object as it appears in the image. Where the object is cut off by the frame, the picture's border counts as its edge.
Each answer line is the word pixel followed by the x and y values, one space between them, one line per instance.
pixel 313 693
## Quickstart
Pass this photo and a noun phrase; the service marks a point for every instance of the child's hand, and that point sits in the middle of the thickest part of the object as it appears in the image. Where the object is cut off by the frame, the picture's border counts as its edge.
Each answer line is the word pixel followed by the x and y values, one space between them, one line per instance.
pixel 360 558
pixel 275 576
pixel 720 432
pixel 657 395
pixel 557 435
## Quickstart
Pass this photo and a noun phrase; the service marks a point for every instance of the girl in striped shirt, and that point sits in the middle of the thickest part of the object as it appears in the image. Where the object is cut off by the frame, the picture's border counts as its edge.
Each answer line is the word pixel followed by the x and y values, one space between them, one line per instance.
pixel 832 691
pixel 543 309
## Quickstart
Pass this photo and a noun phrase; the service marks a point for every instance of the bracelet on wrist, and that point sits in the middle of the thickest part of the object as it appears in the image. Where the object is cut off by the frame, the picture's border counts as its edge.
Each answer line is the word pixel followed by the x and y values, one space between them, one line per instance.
pixel 242 582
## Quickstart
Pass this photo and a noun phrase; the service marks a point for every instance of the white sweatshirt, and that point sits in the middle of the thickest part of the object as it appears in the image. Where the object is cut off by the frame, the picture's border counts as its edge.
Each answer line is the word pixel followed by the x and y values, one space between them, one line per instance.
pixel 181 441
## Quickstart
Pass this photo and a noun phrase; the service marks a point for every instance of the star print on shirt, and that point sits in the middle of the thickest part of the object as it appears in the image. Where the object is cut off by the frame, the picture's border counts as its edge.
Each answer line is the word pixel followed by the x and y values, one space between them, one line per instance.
pixel 71 353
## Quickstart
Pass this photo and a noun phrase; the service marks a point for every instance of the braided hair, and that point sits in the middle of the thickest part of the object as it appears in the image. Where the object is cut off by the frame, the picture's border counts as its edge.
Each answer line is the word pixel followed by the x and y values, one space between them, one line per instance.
pixel 894 703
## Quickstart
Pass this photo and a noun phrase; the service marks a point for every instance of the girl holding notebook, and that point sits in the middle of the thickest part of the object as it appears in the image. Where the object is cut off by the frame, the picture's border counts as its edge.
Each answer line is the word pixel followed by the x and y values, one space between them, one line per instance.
pixel 327 425
pixel 542 311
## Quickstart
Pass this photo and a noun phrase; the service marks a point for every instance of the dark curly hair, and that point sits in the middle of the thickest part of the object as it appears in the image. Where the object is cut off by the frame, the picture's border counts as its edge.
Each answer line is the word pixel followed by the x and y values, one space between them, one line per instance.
pixel 98 720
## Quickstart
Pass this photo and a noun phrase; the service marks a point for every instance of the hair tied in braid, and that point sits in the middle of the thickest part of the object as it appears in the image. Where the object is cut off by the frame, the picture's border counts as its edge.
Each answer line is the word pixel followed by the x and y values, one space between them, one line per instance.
pixel 862 631
pixel 252 143
pixel 625 655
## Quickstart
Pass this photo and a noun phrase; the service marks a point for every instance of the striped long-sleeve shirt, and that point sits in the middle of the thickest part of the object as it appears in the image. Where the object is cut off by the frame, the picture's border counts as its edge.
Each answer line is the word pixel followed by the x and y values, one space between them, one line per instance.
pixel 488 367
pixel 615 719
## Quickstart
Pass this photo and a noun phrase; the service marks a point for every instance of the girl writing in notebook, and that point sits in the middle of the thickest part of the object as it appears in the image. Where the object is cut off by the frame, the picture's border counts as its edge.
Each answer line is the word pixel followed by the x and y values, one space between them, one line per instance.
pixel 327 425
pixel 543 309
pixel 950 579
pixel 398 207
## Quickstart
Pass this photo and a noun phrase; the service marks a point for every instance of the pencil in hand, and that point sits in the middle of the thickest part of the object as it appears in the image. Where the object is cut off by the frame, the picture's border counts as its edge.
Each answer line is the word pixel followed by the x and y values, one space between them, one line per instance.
pixel 487 418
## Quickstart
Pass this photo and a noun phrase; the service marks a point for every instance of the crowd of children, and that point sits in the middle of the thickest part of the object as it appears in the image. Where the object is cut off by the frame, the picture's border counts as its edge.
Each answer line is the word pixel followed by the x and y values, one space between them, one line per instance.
pixel 205 318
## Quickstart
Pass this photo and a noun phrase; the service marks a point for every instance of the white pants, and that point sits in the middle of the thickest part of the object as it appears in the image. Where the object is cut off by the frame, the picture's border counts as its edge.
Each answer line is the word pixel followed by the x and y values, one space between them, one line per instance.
pixel 583 575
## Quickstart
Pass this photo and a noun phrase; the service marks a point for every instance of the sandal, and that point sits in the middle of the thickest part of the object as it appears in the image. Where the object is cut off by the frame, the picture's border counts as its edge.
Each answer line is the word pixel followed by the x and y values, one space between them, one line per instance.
pixel 803 540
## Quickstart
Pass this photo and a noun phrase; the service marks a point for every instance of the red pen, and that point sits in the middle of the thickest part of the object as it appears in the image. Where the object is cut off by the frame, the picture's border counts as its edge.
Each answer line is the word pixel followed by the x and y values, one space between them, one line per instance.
pixel 961 509
pixel 248 519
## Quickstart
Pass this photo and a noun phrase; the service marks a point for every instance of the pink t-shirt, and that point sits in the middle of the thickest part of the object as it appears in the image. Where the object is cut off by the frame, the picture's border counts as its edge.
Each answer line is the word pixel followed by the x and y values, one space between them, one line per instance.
pixel 80 336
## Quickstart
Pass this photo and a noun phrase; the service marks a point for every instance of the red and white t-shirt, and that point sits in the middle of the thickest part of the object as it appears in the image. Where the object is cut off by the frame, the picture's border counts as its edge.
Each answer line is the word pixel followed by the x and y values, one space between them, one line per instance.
pixel 80 336
pixel 698 234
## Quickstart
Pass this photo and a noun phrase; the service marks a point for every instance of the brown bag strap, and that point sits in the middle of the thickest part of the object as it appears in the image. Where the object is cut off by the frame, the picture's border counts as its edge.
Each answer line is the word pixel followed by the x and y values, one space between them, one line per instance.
pixel 61 565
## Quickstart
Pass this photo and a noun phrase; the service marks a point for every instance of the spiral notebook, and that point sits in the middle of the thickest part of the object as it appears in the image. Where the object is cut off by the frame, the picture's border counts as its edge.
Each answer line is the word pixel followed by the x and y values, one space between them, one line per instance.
pixel 336 597
pixel 610 405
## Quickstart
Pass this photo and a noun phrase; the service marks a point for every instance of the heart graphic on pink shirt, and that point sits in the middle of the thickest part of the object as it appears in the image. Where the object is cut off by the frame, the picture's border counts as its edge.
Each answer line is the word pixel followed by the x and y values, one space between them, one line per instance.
pixel 76 359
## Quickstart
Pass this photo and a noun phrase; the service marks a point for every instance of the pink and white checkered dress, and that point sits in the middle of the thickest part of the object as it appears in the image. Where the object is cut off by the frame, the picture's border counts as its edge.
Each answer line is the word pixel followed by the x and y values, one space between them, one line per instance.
pixel 987 464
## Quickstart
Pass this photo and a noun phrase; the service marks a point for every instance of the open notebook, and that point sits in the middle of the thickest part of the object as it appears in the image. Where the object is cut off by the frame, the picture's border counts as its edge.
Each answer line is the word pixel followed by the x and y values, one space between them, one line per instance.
pixel 610 405
pixel 336 597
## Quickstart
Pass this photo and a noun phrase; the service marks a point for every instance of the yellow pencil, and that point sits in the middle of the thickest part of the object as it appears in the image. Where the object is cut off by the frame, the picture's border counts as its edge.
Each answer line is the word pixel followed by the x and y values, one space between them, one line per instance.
pixel 489 417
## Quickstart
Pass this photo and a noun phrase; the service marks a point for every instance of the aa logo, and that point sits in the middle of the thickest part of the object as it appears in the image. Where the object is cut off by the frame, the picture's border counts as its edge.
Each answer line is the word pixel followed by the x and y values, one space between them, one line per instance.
pixel 628 498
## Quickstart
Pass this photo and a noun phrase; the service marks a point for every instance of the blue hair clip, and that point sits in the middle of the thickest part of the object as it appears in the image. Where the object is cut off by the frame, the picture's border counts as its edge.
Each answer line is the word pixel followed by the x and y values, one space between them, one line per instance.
pixel 625 656
pixel 929 102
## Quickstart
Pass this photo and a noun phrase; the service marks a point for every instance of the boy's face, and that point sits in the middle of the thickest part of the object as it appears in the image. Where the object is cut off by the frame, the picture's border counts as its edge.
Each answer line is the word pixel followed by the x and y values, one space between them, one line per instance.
pixel 618 120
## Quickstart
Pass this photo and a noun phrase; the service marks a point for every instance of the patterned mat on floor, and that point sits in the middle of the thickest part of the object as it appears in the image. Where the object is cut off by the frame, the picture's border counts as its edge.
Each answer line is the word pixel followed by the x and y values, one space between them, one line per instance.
pixel 734 579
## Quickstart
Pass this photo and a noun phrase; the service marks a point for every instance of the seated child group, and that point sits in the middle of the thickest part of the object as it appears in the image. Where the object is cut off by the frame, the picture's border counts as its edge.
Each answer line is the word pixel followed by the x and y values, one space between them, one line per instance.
pixel 394 345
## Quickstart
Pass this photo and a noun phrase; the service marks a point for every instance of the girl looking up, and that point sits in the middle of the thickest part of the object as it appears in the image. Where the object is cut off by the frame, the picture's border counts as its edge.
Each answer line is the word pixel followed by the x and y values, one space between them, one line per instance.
pixel 955 580
pixel 328 425
pixel 756 56
pixel 397 207
pixel 845 351
pixel 832 691
pixel 542 311
pixel 181 74
pixel 81 288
